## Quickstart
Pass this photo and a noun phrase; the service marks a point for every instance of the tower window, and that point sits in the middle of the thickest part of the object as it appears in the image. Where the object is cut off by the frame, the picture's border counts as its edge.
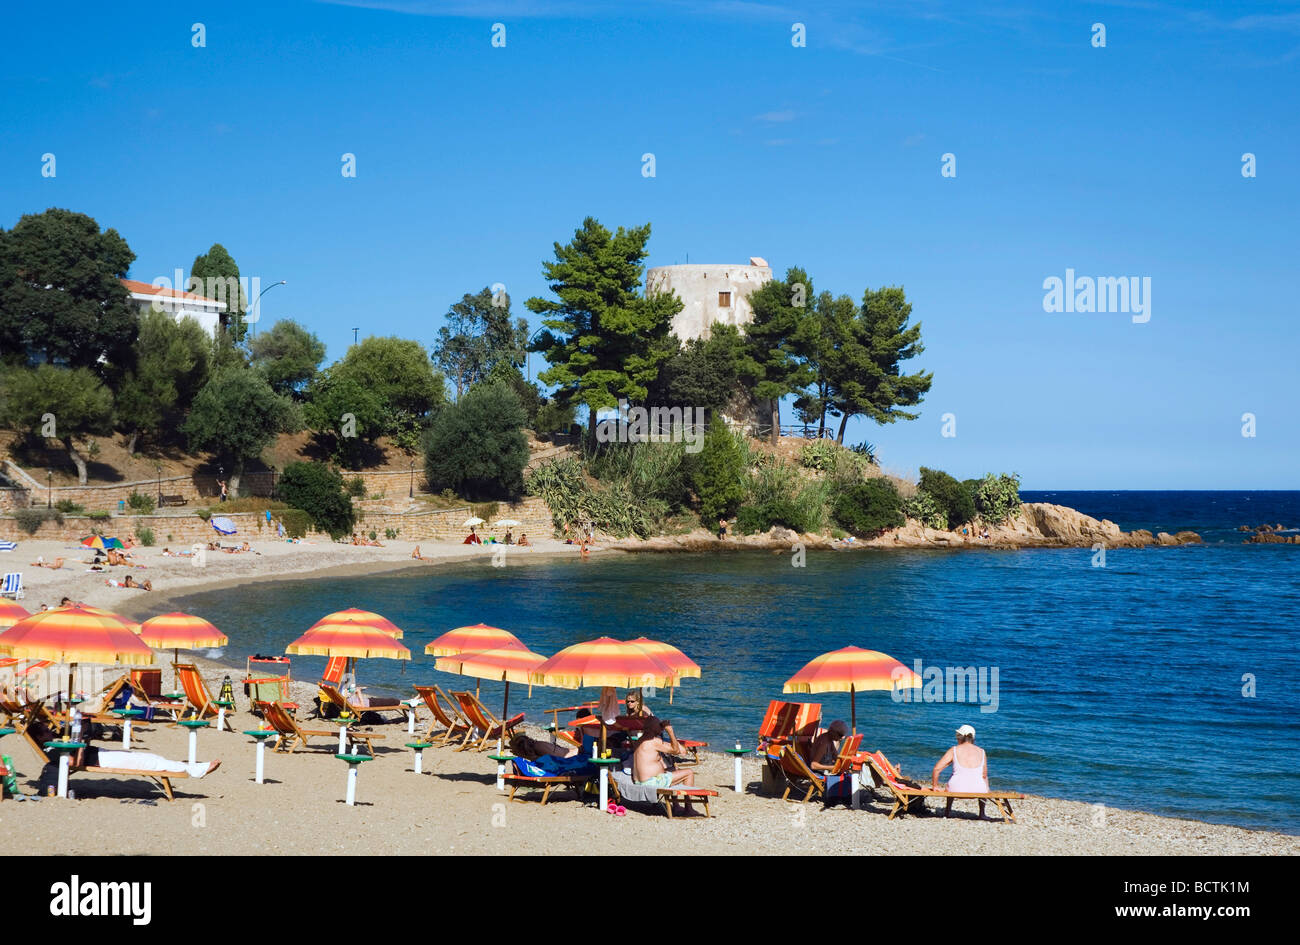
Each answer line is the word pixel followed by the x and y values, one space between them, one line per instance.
pixel 724 300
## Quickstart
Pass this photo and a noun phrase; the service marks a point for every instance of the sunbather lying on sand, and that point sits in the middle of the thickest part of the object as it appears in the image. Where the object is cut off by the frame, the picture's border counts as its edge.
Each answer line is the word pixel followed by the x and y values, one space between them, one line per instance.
pixel 52 565
pixel 416 554
pixel 131 583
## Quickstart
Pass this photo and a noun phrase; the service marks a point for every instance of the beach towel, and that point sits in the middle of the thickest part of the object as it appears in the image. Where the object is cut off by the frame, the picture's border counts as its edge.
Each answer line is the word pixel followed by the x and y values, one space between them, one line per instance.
pixel 631 791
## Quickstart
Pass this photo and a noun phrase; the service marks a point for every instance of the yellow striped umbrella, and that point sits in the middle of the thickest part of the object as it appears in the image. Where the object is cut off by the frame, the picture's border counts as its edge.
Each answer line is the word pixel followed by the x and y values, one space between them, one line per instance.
pixel 175 631
pixel 473 639
pixel 368 617
pixel 850 670
pixel 349 637
pixel 504 665
pixel 76 634
pixel 670 656
pixel 11 612
pixel 603 662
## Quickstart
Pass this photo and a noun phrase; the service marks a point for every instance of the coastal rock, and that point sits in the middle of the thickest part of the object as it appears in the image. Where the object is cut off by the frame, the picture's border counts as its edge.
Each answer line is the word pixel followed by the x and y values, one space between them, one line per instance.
pixel 1038 525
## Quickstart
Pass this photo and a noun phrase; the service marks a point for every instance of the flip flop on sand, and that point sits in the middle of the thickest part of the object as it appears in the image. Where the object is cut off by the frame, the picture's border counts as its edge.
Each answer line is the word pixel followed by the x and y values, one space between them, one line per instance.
pixel 618 810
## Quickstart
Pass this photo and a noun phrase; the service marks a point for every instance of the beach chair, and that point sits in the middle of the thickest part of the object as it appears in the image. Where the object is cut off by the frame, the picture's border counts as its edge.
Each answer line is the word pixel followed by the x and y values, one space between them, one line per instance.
pixel 334 668
pixel 547 783
pixel 113 692
pixel 291 734
pixel 336 698
pixel 197 698
pixel 788 721
pixel 799 772
pixel 910 797
pixel 484 721
pixel 453 724
pixel 13 586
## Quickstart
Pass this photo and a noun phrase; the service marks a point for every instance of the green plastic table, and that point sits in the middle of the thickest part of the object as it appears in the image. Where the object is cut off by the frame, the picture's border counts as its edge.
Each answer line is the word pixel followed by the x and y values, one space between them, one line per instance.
pixel 194 725
pixel 354 761
pixel 260 735
pixel 419 748
pixel 223 706
pixel 7 731
pixel 738 753
pixel 127 715
pixel 501 761
pixel 65 750
pixel 603 765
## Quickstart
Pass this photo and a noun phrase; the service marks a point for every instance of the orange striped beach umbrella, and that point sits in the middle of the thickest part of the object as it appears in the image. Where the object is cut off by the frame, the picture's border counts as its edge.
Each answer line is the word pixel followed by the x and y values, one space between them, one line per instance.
pixel 507 665
pixel 603 662
pixel 355 639
pixel 473 639
pixel 673 658
pixel 367 617
pixel 10 613
pixel 76 634
pixel 850 670
pixel 175 631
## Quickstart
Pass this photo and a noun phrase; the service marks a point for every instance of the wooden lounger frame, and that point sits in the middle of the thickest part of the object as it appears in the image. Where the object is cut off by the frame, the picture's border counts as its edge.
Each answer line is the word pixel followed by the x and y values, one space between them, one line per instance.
pixel 905 795
pixel 687 796
pixel 454 725
pixel 162 778
pixel 548 784
pixel 796 769
pixel 292 734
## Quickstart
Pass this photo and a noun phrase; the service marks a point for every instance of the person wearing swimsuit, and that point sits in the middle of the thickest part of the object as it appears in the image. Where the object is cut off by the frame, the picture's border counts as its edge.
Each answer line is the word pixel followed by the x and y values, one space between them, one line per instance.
pixel 825 748
pixel 970 769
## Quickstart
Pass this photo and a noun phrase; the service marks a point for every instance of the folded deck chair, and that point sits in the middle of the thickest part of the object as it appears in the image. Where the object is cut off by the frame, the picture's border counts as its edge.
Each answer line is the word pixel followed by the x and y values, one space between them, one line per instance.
pixel 800 773
pixel 333 695
pixel 113 692
pixel 13 586
pixel 445 715
pixel 910 798
pixel 291 734
pixel 197 697
pixel 484 721
pixel 529 776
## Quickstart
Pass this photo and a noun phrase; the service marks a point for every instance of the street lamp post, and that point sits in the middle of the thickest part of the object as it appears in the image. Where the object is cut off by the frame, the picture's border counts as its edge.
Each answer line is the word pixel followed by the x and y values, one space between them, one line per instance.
pixel 411 494
pixel 49 488
pixel 258 302
pixel 158 469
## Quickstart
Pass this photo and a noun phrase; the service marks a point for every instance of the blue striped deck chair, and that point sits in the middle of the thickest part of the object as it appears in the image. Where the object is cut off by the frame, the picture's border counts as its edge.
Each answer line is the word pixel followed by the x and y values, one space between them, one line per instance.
pixel 13 586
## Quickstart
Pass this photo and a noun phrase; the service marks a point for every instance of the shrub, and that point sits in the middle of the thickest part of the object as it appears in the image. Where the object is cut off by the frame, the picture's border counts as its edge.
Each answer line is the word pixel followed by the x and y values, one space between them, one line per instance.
pixel 145 535
pixel 950 496
pixel 572 500
pixel 141 503
pixel 551 418
pixel 925 509
pixel 296 522
pixel 391 533
pixel 318 491
pixel 99 516
pixel 30 520
pixel 997 498
pixel 778 495
pixel 818 454
pixel 373 535
pixel 68 507
pixel 865 450
pixel 356 487
pixel 477 444
pixel 868 508
pixel 204 514
pixel 717 474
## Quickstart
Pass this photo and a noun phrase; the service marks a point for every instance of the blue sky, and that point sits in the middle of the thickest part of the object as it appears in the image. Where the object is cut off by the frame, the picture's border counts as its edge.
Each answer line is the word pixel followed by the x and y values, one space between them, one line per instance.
pixel 472 160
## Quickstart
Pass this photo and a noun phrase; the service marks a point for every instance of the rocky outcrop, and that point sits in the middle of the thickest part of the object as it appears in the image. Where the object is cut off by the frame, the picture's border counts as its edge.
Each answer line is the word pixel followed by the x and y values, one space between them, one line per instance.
pixel 1038 525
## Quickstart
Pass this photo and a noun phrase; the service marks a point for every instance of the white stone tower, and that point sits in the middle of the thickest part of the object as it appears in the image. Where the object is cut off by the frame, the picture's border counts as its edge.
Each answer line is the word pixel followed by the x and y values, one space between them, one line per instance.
pixel 710 293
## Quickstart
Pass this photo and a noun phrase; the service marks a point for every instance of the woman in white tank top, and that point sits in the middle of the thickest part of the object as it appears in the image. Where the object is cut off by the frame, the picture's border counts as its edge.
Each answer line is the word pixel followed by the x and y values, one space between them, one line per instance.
pixel 970 768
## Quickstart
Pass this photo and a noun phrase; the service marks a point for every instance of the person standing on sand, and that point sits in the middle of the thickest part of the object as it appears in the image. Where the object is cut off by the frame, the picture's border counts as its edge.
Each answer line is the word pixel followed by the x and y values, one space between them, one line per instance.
pixel 970 769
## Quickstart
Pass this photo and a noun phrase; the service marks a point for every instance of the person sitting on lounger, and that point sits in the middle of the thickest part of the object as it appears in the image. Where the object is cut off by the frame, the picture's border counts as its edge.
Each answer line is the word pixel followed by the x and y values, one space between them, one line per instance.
pixel 472 538
pixel 648 759
pixel 970 768
pixel 92 757
pixel 825 747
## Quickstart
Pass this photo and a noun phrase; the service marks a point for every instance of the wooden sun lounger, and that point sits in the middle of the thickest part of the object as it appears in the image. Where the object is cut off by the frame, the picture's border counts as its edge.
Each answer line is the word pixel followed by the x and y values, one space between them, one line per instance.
pixel 788 721
pixel 292 734
pixel 453 725
pixel 547 783
pixel 172 706
pixel 162 778
pixel 197 696
pixel 688 796
pixel 907 796
pixel 333 695
pixel 483 720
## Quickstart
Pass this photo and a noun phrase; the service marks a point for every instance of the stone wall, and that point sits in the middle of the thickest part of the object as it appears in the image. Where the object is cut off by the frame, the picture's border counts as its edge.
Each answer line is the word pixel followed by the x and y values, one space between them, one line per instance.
pixel 698 285
pixel 185 527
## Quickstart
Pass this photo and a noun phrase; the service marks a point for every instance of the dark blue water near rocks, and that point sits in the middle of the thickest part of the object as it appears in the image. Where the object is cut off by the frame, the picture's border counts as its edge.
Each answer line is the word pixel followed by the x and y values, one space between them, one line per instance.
pixel 1164 681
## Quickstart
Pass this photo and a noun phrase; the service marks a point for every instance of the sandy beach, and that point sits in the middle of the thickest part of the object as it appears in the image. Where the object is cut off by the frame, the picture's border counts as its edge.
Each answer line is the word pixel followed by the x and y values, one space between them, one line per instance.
pixel 454 807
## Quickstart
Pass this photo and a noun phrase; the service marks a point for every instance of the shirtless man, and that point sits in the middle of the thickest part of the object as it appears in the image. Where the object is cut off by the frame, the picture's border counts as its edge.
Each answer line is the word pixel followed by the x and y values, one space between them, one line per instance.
pixel 648 763
pixel 826 746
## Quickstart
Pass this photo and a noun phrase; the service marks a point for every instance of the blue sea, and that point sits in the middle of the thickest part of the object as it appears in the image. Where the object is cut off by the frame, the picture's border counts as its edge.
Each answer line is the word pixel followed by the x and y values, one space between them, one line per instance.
pixel 1164 681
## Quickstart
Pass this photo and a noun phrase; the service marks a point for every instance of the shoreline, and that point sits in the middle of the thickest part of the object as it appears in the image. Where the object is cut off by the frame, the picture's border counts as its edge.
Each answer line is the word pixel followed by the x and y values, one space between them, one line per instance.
pixel 176 578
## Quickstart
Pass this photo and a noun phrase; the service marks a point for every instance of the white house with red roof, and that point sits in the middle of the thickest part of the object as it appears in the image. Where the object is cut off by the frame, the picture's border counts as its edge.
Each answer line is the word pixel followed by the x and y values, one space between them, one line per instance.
pixel 207 312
